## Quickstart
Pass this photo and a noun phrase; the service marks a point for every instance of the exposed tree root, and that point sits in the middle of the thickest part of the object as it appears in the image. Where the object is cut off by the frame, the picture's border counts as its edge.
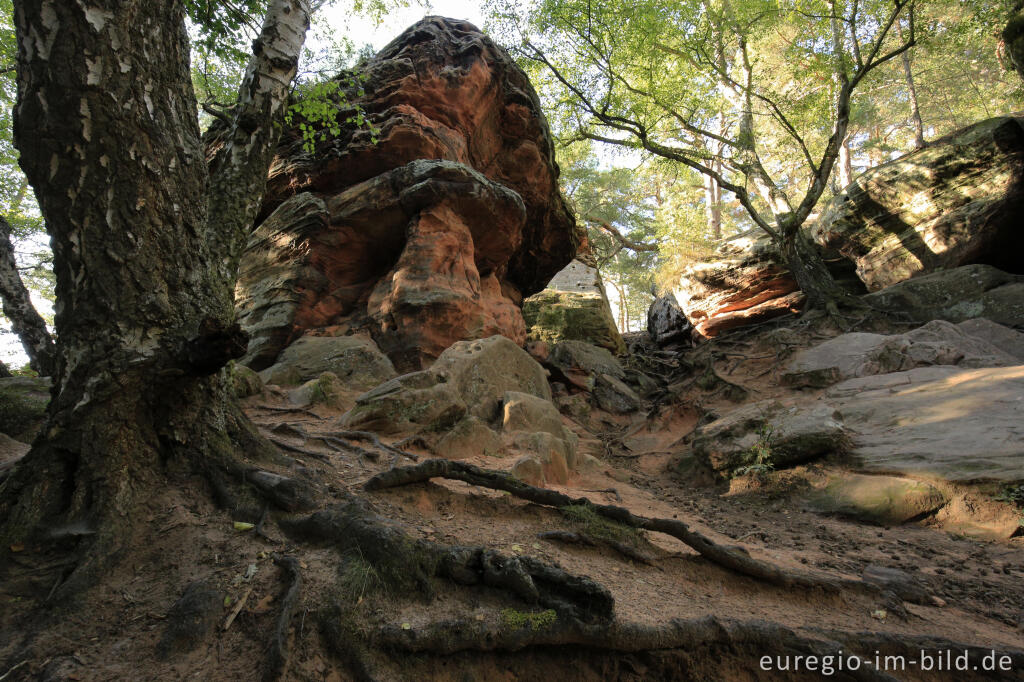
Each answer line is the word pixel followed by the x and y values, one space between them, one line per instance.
pixel 734 558
pixel 402 562
pixel 292 410
pixel 623 548
pixel 277 659
pixel 752 639
pixel 296 449
pixel 369 437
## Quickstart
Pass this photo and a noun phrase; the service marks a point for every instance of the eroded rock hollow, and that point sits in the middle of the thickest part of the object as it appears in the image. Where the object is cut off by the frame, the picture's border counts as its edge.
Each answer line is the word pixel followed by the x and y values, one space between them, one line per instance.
pixel 425 226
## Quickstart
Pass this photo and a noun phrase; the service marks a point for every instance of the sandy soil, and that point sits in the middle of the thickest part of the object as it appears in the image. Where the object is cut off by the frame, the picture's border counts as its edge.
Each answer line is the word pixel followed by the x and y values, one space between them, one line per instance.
pixel 975 586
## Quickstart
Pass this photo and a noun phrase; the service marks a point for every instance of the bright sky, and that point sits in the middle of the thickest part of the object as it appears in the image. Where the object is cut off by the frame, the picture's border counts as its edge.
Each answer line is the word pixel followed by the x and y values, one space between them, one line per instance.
pixel 362 31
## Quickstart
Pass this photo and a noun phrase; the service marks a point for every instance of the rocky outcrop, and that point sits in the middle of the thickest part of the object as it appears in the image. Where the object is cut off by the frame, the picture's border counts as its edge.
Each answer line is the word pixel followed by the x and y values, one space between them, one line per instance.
pixel 951 204
pixel 354 360
pixel 425 227
pixel 573 307
pixel 954 202
pixel 957 295
pixel 746 283
pixel 469 378
pixel 859 354
pixel 945 422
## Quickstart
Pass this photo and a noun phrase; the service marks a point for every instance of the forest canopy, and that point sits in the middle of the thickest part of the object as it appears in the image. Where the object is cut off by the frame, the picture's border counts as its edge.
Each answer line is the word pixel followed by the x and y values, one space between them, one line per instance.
pixel 668 85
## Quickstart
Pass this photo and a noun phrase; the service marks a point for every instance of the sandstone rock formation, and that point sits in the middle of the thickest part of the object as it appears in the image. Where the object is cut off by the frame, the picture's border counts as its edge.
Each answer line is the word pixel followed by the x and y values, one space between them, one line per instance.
pixel 432 233
pixel 771 435
pixel 859 354
pixel 955 202
pixel 945 422
pixel 951 204
pixel 956 295
pixel 748 282
pixel 469 378
pixel 574 307
pixel 355 360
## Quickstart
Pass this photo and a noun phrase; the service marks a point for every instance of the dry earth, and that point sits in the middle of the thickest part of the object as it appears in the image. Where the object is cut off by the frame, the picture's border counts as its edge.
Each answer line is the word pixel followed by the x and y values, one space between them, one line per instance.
pixel 974 586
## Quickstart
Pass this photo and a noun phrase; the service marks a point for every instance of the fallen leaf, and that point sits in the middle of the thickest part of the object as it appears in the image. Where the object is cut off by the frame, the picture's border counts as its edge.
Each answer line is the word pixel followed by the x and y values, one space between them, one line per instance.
pixel 227 600
pixel 244 525
pixel 407 626
pixel 880 614
pixel 263 605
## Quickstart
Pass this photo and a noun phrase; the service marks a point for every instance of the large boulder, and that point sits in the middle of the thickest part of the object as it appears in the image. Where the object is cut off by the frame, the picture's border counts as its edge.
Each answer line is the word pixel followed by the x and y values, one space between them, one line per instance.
pixel 469 378
pixel 574 307
pixel 769 434
pixel 354 360
pixel 859 354
pixel 956 295
pixel 666 322
pixel 955 202
pixel 947 422
pixel 425 227
pixel 886 500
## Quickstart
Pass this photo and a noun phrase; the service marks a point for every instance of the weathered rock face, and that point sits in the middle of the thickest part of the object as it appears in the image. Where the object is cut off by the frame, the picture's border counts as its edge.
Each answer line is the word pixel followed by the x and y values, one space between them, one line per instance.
pixel 748 282
pixel 574 307
pixel 769 434
pixel 470 378
pixel 431 235
pixel 951 204
pixel 955 202
pixel 355 360
pixel 945 422
pixel 957 295
pixel 858 354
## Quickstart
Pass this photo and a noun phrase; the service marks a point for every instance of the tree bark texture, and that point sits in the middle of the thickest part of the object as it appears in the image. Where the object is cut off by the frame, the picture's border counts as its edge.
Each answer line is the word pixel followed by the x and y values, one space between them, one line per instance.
pixel 143 244
pixel 25 319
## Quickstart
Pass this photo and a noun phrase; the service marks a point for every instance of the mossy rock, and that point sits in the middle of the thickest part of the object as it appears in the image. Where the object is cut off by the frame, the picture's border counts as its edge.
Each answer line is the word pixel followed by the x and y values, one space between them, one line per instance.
pixel 883 500
pixel 244 382
pixel 23 402
pixel 554 316
pixel 326 389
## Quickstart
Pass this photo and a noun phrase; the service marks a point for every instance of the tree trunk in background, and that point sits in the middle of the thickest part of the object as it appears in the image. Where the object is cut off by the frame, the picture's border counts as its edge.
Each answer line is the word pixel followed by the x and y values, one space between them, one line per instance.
pixel 107 128
pixel 25 319
pixel 713 206
pixel 915 111
pixel 844 169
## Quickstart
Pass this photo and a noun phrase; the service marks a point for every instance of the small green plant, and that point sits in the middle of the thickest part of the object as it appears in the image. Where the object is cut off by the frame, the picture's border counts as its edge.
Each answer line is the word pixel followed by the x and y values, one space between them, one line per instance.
pixel 585 519
pixel 1012 494
pixel 325 390
pixel 758 458
pixel 518 620
pixel 358 577
pixel 317 106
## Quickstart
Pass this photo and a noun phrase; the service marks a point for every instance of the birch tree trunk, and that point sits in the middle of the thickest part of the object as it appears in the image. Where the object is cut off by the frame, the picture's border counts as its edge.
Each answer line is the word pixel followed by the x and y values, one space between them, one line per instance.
pixel 145 237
